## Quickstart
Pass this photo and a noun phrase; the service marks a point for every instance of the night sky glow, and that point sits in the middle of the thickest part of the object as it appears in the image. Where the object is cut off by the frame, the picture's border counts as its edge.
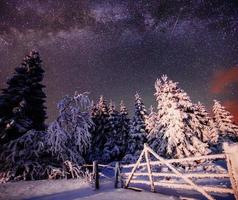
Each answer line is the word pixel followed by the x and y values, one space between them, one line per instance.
pixel 117 47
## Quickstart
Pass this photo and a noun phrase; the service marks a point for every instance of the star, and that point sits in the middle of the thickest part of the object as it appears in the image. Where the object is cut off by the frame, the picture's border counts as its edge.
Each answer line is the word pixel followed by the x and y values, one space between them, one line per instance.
pixel 116 48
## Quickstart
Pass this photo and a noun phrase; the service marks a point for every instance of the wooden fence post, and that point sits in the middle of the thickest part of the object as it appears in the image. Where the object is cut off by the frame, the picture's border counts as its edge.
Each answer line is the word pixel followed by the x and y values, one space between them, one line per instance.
pixel 147 158
pixel 117 175
pixel 186 179
pixel 134 169
pixel 231 152
pixel 96 174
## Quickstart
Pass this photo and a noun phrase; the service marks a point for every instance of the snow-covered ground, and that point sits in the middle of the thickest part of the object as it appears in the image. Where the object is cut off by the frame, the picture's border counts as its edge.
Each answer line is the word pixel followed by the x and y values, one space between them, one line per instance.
pixel 71 190
pixel 74 189
pixel 80 189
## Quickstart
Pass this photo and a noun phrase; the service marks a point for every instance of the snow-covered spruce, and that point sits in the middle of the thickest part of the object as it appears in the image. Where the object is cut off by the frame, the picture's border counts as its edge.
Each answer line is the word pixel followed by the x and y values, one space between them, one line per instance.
pixel 118 128
pixel 175 135
pixel 56 153
pixel 224 124
pixel 113 149
pixel 100 130
pixel 204 125
pixel 151 122
pixel 124 127
pixel 22 102
pixel 109 135
pixel 137 134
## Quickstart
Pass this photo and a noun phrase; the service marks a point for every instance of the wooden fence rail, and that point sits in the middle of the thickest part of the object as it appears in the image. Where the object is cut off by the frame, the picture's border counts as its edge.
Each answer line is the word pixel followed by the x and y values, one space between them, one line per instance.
pixel 181 160
pixel 184 186
pixel 186 177
pixel 230 157
pixel 192 175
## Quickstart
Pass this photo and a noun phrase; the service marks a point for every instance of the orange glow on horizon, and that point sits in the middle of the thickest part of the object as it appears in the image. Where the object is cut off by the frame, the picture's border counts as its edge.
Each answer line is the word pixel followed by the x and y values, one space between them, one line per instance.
pixel 220 81
pixel 232 106
pixel 223 78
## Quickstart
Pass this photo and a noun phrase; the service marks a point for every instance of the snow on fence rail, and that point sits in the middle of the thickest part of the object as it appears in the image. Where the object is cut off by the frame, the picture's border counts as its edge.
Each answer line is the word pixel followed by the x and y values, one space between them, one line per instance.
pixel 208 157
pixel 232 164
pixel 192 175
pixel 230 156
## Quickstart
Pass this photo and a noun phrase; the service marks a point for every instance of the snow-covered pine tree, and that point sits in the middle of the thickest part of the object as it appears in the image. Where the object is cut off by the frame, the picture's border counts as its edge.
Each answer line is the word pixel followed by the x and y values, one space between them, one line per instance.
pixel 57 153
pixel 22 103
pixel 175 136
pixel 137 134
pixel 112 148
pixel 224 123
pixel 203 123
pixel 124 127
pixel 151 122
pixel 100 117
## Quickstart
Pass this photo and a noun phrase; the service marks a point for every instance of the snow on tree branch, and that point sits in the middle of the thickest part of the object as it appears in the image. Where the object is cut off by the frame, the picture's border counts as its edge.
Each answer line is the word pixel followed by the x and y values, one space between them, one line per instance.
pixel 173 130
pixel 56 153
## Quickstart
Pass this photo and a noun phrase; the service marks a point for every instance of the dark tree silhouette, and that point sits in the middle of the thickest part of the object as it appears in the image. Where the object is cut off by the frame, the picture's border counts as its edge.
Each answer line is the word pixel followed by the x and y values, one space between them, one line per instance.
pixel 22 102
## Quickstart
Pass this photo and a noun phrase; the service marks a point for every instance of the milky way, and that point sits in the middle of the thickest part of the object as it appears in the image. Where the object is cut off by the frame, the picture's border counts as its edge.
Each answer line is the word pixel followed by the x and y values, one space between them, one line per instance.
pixel 117 48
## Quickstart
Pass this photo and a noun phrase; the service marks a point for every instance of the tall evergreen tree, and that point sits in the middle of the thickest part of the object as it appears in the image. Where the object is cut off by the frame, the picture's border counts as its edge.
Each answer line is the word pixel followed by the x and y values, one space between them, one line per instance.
pixel 100 117
pixel 204 124
pixel 110 132
pixel 151 122
pixel 137 134
pixel 112 149
pixel 175 134
pixel 224 123
pixel 22 102
pixel 124 127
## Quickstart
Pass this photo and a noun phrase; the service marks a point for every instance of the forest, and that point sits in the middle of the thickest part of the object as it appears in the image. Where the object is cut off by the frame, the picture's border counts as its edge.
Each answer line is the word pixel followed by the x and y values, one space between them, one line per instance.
pixel 87 130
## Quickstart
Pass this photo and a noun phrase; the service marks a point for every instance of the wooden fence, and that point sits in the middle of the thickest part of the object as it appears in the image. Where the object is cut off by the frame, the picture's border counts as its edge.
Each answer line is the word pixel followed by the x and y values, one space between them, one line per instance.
pixel 230 156
pixel 95 175
pixel 232 165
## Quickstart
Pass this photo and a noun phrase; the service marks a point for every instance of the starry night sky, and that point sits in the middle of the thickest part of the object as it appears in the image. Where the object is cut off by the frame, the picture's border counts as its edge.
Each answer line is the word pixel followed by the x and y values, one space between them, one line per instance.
pixel 116 47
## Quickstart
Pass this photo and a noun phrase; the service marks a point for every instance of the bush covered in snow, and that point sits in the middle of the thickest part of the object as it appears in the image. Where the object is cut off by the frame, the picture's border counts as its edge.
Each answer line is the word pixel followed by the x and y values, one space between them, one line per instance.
pixel 56 153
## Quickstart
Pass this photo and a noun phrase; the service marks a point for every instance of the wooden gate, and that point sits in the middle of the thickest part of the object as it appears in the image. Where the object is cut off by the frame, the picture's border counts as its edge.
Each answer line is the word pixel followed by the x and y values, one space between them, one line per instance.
pixel 232 165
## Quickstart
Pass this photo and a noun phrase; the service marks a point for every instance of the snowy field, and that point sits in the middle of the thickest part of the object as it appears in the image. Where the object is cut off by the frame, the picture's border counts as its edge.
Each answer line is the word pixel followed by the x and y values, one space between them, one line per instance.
pixel 80 189
pixel 71 190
